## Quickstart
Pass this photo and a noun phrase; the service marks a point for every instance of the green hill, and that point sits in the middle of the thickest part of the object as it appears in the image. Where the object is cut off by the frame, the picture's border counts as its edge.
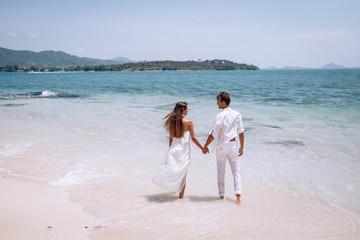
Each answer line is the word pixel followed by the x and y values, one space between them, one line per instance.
pixel 13 60
pixel 122 60
pixel 26 58
pixel 206 65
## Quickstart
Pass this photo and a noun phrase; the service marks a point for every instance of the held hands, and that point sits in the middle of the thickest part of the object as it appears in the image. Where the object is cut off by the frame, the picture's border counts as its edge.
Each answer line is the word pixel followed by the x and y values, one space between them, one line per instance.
pixel 205 150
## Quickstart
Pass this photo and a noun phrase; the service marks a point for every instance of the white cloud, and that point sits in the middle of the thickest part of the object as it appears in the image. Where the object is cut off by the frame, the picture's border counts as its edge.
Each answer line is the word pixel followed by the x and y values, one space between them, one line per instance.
pixel 11 34
pixel 34 35
pixel 323 34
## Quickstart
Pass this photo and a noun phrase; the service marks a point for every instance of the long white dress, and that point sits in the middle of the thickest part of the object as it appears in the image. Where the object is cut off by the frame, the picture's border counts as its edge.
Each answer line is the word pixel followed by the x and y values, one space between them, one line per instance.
pixel 172 173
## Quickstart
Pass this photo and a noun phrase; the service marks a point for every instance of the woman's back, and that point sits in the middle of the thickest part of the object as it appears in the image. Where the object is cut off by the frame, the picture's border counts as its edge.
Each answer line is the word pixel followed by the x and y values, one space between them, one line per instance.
pixel 183 141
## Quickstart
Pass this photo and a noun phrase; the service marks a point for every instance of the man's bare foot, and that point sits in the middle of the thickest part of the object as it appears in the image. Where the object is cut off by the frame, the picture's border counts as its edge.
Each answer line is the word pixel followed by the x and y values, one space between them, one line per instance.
pixel 221 197
pixel 238 201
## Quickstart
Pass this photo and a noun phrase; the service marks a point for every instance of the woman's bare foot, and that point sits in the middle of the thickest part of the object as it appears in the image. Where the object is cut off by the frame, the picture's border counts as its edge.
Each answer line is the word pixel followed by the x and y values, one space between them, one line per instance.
pixel 238 201
pixel 181 194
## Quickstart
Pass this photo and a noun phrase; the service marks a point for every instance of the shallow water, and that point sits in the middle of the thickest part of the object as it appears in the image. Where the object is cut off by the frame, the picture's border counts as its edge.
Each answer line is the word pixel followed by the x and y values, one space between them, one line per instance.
pixel 99 135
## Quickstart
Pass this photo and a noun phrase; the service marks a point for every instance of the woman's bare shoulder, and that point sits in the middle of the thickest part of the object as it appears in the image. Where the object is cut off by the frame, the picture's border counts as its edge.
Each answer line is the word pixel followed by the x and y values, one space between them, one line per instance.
pixel 187 121
pixel 187 124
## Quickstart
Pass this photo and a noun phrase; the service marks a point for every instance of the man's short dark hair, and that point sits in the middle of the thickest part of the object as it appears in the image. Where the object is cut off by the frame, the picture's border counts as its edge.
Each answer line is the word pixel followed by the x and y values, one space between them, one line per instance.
pixel 224 96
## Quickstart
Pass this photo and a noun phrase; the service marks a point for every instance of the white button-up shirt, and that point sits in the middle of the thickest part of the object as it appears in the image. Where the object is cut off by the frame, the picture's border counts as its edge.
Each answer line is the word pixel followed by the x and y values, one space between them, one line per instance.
pixel 227 125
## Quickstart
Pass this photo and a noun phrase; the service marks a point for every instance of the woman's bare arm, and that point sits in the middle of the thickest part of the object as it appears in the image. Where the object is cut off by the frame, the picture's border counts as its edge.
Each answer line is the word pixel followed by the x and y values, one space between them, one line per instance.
pixel 192 135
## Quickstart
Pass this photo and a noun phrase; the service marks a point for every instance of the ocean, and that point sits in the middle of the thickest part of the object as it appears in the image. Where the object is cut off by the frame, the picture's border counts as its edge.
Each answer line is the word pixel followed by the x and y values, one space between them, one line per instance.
pixel 99 136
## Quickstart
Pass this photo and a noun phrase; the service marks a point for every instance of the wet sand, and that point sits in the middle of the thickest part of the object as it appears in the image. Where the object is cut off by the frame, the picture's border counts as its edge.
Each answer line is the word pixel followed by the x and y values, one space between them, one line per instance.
pixel 32 209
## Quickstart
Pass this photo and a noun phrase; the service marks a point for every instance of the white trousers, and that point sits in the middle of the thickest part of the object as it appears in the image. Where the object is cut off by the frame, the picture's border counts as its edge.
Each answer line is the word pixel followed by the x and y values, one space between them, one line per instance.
pixel 228 151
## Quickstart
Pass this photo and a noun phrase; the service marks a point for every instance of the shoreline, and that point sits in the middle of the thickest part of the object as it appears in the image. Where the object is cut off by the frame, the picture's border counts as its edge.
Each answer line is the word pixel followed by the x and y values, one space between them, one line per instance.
pixel 133 70
pixel 263 214
pixel 32 209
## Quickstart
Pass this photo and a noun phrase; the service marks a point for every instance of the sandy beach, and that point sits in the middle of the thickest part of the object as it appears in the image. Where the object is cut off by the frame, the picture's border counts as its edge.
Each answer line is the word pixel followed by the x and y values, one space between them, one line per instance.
pixel 263 214
pixel 32 209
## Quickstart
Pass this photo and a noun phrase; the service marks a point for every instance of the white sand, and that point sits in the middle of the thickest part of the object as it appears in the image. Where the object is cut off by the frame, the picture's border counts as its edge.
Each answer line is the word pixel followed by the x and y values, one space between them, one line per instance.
pixel 263 214
pixel 32 209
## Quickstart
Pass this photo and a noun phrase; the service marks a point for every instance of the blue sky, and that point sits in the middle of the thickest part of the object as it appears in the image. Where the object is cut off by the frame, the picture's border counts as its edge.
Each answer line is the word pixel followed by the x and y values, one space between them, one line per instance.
pixel 308 33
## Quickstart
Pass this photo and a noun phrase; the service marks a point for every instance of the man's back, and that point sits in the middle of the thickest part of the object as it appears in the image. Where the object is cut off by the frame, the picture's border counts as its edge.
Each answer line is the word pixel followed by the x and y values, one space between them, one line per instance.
pixel 226 126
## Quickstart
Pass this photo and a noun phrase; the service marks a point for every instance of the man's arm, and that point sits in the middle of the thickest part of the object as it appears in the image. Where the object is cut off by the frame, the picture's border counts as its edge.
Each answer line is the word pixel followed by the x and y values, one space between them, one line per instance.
pixel 241 138
pixel 215 129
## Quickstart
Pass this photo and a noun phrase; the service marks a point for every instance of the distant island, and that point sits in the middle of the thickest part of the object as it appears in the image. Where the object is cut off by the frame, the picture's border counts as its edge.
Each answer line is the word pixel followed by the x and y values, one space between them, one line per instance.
pixel 333 66
pixel 328 66
pixel 55 61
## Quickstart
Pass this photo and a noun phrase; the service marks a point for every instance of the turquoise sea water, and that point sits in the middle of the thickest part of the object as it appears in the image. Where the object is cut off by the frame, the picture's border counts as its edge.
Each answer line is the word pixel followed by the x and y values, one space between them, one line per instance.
pixel 302 128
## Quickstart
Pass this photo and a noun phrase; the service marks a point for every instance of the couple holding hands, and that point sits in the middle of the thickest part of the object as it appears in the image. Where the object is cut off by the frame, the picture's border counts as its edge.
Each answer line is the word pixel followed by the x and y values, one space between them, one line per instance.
pixel 227 125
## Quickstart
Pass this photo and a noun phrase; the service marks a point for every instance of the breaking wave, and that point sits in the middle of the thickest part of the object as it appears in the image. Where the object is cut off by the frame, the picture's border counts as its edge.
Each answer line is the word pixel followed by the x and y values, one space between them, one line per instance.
pixel 42 94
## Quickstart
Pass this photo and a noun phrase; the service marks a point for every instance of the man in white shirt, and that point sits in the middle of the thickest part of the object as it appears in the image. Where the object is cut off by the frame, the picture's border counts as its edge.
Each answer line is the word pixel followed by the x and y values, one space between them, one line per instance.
pixel 226 126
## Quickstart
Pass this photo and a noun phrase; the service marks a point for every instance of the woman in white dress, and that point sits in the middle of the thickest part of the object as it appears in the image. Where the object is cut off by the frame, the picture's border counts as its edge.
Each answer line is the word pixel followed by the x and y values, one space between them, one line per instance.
pixel 172 173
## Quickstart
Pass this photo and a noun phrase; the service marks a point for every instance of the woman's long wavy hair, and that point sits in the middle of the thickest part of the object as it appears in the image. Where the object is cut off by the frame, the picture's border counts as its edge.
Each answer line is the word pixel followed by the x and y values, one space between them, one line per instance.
pixel 173 123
